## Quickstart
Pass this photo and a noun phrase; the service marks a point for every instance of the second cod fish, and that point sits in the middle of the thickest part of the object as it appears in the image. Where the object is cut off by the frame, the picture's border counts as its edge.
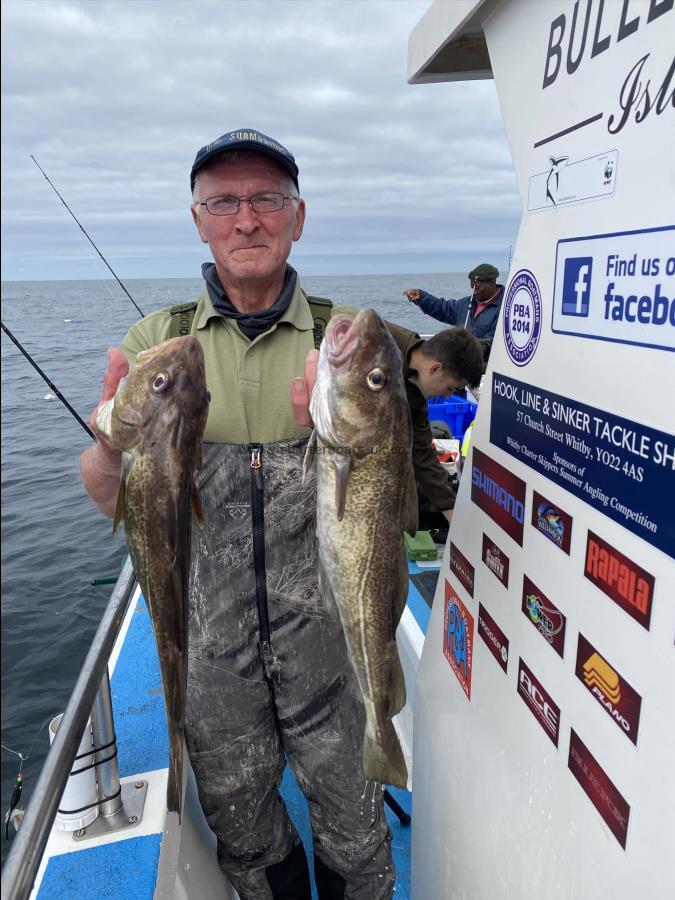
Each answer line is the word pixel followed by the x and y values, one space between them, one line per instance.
pixel 366 498
pixel 157 419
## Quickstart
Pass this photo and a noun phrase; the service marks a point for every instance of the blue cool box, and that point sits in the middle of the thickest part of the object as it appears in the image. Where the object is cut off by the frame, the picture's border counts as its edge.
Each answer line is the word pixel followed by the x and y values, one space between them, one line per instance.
pixel 457 414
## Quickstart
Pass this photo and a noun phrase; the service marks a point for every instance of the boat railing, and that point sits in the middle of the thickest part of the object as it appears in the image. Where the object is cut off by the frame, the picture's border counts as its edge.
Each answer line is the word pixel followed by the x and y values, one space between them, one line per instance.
pixel 90 697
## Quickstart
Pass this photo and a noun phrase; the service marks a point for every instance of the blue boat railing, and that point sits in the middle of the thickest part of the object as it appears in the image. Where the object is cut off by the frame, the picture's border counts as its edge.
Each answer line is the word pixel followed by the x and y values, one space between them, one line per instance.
pixel 90 697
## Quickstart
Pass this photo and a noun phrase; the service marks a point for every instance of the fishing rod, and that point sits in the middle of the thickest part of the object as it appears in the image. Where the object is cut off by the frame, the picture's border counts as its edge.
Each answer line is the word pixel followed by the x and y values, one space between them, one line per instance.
pixel 57 392
pixel 86 235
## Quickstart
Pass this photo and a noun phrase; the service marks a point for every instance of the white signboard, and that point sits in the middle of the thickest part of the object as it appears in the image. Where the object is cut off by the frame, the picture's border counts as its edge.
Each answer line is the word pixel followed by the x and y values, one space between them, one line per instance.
pixel 544 732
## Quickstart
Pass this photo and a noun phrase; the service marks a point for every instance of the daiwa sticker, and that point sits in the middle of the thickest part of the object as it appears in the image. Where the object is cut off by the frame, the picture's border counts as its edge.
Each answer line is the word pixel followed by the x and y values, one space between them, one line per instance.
pixel 617 287
pixel 599 788
pixel 544 615
pixel 549 519
pixel 540 703
pixel 499 493
pixel 521 317
pixel 609 689
pixel 621 579
pixel 458 638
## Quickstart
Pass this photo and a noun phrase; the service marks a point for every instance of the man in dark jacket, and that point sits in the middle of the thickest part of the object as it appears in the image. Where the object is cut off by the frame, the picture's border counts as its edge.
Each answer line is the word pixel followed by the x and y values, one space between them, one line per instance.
pixel 477 312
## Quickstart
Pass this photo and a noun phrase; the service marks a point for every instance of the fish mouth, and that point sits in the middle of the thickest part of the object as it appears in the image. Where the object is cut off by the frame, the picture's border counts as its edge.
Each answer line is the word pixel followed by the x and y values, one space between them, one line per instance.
pixel 342 338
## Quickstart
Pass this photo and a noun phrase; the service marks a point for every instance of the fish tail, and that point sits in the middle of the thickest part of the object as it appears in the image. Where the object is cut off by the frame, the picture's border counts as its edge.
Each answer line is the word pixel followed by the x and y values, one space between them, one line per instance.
pixel 383 759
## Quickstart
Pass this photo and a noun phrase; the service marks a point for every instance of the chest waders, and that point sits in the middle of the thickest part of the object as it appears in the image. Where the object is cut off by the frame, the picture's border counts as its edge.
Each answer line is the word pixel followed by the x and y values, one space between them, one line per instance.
pixel 270 683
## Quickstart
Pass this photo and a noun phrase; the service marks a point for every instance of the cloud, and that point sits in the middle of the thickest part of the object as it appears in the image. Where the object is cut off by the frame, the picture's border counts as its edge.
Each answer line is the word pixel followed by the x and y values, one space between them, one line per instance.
pixel 114 99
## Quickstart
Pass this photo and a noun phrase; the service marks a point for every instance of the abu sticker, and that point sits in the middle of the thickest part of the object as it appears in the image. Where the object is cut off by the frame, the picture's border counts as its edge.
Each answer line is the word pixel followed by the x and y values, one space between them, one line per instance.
pixel 521 317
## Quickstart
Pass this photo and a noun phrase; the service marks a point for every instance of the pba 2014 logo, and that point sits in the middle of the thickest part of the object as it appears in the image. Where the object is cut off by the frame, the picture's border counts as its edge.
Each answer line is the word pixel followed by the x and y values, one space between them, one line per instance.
pixel 521 317
pixel 458 638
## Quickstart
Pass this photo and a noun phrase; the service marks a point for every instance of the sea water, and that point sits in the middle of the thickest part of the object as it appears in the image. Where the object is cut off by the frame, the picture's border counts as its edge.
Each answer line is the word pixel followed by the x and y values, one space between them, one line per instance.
pixel 54 541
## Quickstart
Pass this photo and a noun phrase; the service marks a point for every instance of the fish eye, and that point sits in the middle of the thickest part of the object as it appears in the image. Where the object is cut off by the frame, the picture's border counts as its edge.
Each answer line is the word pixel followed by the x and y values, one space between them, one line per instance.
pixel 376 379
pixel 161 382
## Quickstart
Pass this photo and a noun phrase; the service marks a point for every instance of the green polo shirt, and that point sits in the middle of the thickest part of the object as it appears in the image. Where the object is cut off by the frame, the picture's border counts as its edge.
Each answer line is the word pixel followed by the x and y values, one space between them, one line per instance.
pixel 249 381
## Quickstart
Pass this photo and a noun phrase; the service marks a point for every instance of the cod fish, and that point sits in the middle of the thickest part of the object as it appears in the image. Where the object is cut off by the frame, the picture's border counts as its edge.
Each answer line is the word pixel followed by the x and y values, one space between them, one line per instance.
pixel 366 498
pixel 157 419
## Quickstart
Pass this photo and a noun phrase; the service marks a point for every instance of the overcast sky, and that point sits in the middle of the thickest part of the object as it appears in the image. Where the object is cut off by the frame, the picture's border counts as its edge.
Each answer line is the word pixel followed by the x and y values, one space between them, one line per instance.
pixel 114 97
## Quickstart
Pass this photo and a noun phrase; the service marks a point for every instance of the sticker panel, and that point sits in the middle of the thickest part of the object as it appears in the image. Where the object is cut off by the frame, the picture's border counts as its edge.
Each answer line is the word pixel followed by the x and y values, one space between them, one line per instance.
pixel 458 638
pixel 599 788
pixel 614 694
pixel 494 638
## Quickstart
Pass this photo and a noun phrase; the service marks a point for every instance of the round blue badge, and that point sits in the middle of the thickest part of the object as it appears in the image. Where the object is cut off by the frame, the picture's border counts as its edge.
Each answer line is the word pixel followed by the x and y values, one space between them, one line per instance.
pixel 521 317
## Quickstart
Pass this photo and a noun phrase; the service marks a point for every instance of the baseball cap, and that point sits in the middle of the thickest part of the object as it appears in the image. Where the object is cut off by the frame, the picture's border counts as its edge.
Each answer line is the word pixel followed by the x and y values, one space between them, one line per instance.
pixel 484 272
pixel 246 139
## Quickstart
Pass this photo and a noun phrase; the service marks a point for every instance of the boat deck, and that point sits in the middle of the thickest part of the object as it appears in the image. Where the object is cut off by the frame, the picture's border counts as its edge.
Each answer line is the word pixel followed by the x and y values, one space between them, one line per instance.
pixel 126 864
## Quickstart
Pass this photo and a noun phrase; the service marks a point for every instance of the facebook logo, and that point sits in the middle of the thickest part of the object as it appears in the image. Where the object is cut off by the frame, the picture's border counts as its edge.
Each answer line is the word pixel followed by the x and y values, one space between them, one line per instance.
pixel 577 286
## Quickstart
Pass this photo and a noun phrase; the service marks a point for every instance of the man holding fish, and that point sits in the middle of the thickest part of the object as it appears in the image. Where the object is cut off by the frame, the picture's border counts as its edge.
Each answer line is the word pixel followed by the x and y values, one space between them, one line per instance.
pixel 278 668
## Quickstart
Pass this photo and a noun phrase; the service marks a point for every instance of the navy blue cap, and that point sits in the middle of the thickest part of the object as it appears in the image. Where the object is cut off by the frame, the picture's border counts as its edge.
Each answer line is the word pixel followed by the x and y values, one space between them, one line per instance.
pixel 246 139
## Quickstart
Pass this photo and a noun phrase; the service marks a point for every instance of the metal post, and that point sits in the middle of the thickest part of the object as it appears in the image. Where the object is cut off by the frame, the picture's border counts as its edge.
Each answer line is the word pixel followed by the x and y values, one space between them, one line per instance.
pixel 24 857
pixel 103 731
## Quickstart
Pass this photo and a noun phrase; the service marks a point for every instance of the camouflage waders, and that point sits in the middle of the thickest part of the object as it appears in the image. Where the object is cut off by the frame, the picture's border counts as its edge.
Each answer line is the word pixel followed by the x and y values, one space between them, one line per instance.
pixel 269 680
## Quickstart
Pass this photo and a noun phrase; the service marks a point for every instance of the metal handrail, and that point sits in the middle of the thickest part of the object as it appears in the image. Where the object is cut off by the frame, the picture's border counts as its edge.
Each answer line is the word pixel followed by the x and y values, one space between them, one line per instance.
pixel 28 846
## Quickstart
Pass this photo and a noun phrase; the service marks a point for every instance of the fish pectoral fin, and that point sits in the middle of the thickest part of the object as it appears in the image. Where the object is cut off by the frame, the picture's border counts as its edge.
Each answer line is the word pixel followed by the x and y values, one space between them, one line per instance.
pixel 310 454
pixel 410 505
pixel 396 693
pixel 119 509
pixel 343 467
pixel 197 507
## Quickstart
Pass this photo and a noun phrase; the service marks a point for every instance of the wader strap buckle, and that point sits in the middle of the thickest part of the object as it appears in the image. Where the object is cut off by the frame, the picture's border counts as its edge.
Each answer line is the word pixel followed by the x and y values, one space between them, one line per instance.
pixel 270 661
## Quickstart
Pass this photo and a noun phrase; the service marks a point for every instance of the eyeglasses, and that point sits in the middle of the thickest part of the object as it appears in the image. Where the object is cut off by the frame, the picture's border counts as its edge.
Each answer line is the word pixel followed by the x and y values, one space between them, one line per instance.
pixel 225 205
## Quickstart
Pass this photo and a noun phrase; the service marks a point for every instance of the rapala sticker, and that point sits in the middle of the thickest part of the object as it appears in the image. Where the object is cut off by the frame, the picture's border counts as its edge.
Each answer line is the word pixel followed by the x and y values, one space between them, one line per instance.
pixel 495 639
pixel 458 638
pixel 499 493
pixel 617 287
pixel 624 582
pixel 521 317
pixel 462 568
pixel 544 615
pixel 496 560
pixel 552 521
pixel 599 789
pixel 539 702
pixel 620 701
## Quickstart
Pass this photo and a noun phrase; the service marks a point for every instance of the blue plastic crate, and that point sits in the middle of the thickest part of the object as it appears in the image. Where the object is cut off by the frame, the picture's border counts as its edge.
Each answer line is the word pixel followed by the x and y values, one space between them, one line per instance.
pixel 457 414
